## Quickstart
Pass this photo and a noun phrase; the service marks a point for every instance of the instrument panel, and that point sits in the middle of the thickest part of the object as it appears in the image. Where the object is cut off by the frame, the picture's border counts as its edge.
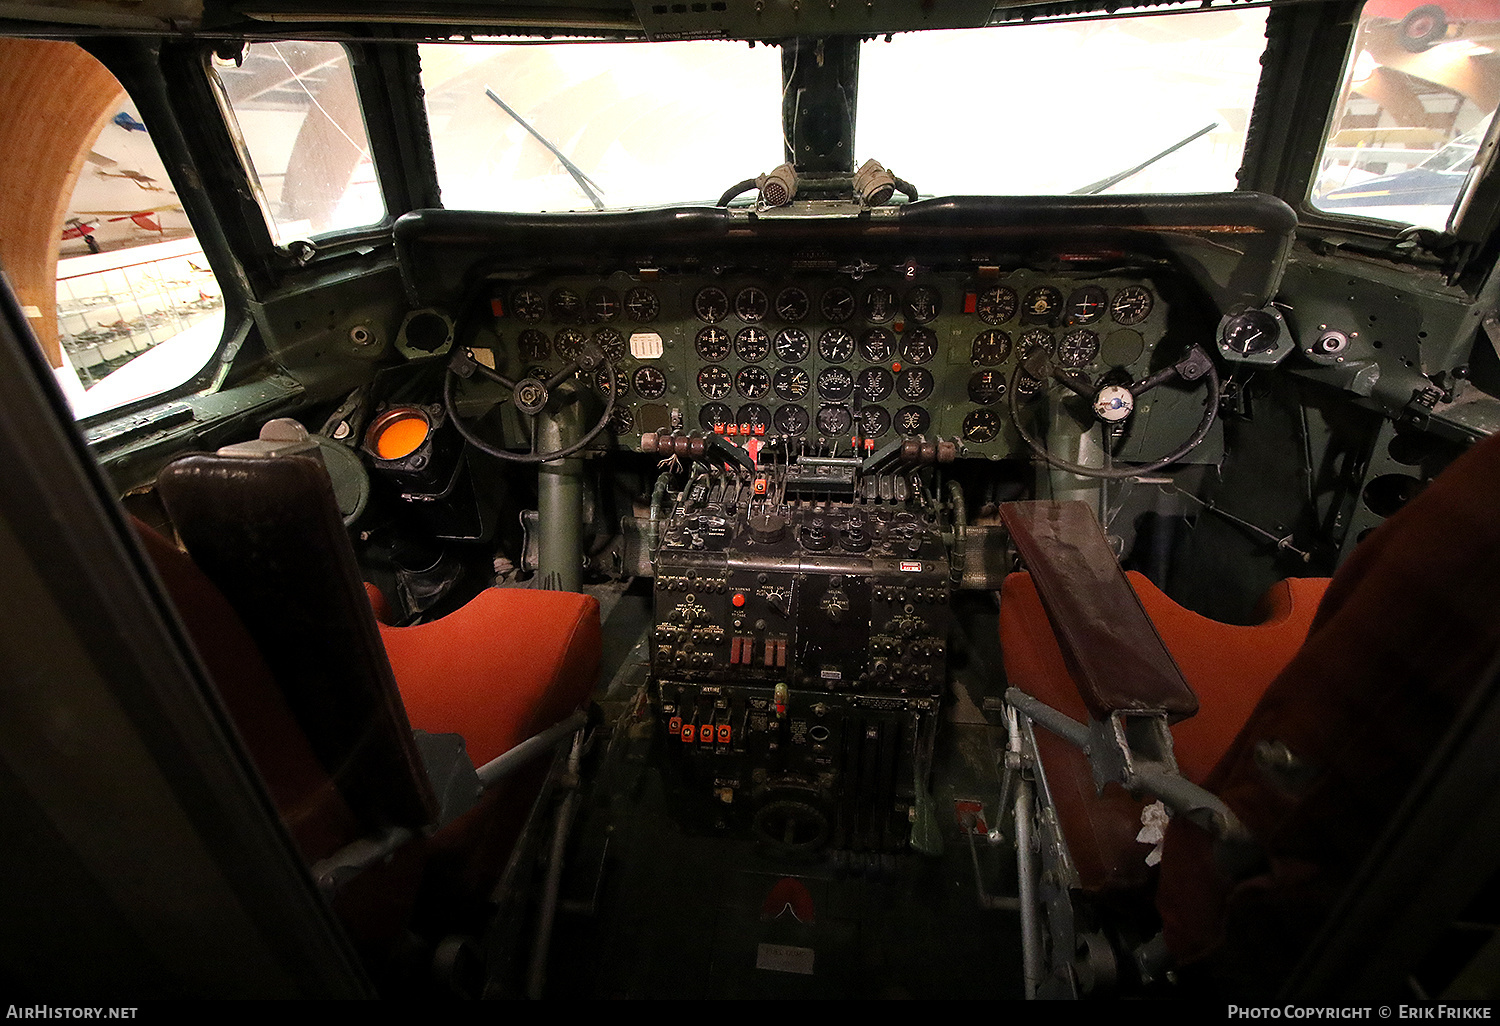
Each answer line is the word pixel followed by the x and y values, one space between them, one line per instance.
pixel 826 358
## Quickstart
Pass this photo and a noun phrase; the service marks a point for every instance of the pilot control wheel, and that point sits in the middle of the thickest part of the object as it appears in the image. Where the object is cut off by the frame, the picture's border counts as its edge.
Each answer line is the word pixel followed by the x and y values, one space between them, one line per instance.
pixel 1112 405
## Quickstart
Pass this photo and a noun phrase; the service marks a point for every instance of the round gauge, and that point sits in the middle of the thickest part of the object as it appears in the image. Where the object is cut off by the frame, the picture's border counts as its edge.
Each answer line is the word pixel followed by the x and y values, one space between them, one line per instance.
pixel 914 384
pixel 835 383
pixel 981 426
pixel 533 345
pixel 752 344
pixel 835 345
pixel 919 345
pixel 986 387
pixel 715 382
pixel 790 383
pixel 923 304
pixel 540 373
pixel 835 420
pixel 711 304
pixel 757 416
pixel 603 382
pixel 569 343
pixel 1087 304
pixel 1131 305
pixel 611 342
pixel 837 305
pixel 528 305
pixel 1041 306
pixel 641 304
pixel 880 304
pixel 791 420
pixel 1078 348
pixel 622 420
pixel 752 382
pixel 751 304
pixel 874 421
pixel 1036 338
pixel 912 420
pixel 792 345
pixel 1253 331
pixel 792 304
pixel 1028 387
pixel 712 344
pixel 603 305
pixel 649 383
pixel 874 384
pixel 566 305
pixel 714 416
pixel 990 348
pixel 877 345
pixel 996 305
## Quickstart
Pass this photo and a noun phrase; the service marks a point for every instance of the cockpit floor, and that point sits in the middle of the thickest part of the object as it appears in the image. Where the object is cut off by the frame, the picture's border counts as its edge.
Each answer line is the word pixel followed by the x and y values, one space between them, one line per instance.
pixel 656 905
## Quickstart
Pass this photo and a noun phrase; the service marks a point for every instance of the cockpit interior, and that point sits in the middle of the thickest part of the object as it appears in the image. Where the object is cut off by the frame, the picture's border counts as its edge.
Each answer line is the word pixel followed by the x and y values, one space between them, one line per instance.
pixel 750 499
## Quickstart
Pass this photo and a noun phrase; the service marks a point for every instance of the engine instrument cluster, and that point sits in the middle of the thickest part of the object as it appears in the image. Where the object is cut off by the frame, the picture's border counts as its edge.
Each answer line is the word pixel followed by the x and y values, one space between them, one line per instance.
pixel 824 357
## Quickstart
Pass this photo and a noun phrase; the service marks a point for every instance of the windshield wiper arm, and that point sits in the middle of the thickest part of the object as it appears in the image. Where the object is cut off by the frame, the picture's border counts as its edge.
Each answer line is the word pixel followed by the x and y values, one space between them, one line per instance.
pixel 1105 183
pixel 587 184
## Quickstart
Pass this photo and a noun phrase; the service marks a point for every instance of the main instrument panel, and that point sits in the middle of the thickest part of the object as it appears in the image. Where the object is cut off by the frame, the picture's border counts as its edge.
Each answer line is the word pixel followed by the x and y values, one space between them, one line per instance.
pixel 842 361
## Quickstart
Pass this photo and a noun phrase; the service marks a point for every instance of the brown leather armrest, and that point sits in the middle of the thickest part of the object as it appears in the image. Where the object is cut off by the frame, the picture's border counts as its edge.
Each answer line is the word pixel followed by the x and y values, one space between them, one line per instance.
pixel 1109 644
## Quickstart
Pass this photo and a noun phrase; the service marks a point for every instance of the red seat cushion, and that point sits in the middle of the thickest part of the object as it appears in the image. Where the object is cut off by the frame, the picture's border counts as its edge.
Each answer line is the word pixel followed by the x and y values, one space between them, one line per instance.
pixel 508 665
pixel 1228 666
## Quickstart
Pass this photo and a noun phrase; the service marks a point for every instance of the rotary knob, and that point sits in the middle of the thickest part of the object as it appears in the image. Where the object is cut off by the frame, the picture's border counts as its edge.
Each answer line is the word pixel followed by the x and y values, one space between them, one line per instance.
pixel 767 528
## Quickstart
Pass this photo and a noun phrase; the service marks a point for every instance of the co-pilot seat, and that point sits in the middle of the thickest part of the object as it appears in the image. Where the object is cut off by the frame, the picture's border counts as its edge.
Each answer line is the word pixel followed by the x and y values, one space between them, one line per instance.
pixel 1311 726
pixel 329 721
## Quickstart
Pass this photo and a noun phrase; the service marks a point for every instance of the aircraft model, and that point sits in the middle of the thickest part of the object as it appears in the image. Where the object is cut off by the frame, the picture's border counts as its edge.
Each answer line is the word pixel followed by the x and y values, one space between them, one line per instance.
pixel 752 500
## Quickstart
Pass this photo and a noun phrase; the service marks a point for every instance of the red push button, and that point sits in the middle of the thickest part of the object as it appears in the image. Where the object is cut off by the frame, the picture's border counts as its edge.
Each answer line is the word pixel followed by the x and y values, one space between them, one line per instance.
pixel 738 600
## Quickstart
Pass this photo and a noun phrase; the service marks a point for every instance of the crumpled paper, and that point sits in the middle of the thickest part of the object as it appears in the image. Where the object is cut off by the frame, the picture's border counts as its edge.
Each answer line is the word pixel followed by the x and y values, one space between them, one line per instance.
pixel 1154 819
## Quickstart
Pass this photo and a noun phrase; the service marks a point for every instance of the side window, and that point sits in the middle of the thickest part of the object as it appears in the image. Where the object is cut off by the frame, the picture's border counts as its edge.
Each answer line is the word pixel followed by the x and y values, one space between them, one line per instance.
pixel 1418 98
pixel 93 236
pixel 302 137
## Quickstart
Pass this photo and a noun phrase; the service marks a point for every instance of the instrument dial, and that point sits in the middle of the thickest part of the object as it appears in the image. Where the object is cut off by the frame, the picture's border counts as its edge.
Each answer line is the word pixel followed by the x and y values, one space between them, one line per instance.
pixel 605 385
pixel 1028 387
pixel 923 304
pixel 880 304
pixel 1041 306
pixel 912 420
pixel 990 348
pixel 874 384
pixel 603 305
pixel 528 305
pixel 986 387
pixel 914 384
pixel 649 383
pixel 752 382
pixel 1036 338
pixel 641 304
pixel 752 344
pixel 1087 304
pixel 834 420
pixel 835 383
pixel 712 344
pixel 790 383
pixel 996 305
pixel 1252 331
pixel 792 304
pixel 919 345
pixel 611 342
pixel 791 420
pixel 837 305
pixel 715 416
pixel 1078 348
pixel 792 345
pixel 756 415
pixel 981 426
pixel 533 345
pixel 1131 305
pixel 835 345
pixel 566 305
pixel 874 421
pixel 569 343
pixel 622 420
pixel 752 304
pixel 877 345
pixel 715 382
pixel 711 304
